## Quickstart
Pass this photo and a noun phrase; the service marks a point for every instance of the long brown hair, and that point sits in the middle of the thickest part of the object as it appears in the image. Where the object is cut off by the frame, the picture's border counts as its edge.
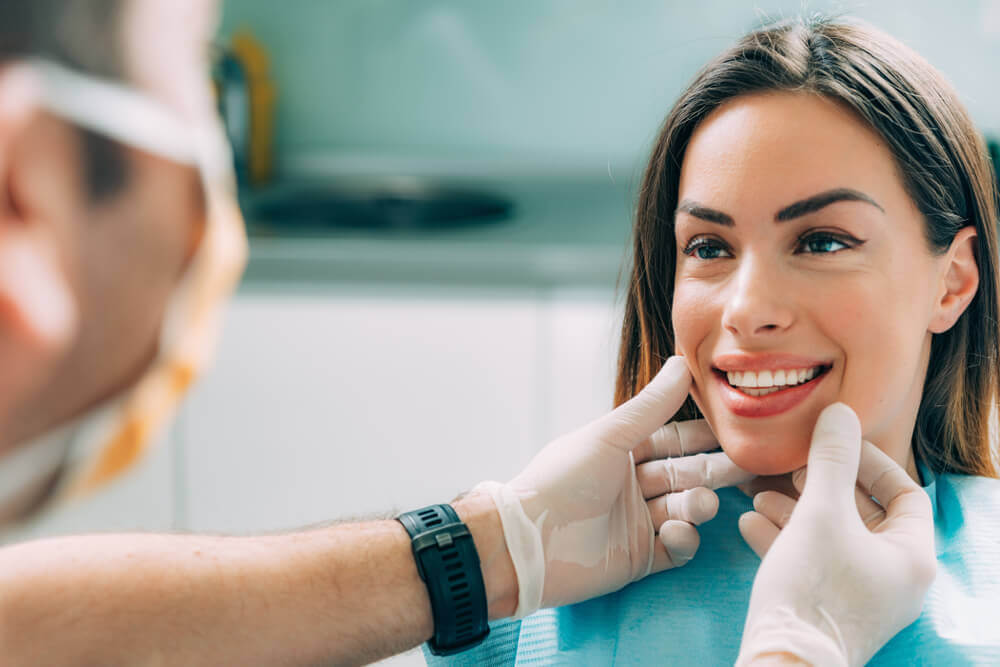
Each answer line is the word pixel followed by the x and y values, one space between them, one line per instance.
pixel 945 169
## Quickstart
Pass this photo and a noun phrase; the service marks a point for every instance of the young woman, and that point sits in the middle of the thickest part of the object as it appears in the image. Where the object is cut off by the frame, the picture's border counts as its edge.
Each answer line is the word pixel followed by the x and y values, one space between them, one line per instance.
pixel 817 224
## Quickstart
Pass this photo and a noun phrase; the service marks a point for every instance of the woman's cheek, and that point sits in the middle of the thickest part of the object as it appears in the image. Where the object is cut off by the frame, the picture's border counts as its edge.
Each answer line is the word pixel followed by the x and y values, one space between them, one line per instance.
pixel 691 321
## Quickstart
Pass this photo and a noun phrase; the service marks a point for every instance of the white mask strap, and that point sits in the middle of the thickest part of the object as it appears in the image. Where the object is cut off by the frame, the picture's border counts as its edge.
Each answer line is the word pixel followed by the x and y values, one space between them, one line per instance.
pixel 111 109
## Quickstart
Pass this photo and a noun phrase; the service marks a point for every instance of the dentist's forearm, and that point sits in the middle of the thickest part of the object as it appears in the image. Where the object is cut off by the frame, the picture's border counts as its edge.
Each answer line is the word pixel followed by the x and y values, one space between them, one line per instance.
pixel 344 595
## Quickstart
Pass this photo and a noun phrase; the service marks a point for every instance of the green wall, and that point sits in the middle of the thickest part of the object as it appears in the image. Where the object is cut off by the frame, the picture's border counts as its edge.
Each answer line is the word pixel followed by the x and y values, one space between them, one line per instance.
pixel 556 83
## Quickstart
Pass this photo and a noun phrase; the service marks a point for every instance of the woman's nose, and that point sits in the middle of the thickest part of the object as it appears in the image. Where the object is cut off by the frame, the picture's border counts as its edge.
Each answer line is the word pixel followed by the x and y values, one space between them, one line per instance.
pixel 758 302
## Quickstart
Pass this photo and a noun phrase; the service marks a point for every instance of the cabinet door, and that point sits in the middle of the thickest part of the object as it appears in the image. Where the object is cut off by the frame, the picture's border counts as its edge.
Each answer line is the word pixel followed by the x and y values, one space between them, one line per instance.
pixel 335 404
pixel 580 342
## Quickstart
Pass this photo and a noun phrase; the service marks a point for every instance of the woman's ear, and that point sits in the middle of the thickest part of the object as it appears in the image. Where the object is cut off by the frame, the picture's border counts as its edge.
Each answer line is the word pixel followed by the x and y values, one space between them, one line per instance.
pixel 959 281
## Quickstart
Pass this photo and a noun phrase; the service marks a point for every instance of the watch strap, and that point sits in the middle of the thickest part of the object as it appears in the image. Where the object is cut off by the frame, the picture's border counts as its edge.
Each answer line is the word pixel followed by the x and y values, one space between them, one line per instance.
pixel 448 563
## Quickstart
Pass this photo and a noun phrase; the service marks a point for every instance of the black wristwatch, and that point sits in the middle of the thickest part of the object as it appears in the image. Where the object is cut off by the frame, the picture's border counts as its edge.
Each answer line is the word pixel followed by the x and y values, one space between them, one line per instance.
pixel 449 564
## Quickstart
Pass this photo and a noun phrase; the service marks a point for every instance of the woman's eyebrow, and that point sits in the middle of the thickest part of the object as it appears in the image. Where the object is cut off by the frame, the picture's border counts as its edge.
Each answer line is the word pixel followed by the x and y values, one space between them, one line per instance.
pixel 705 213
pixel 816 202
pixel 796 210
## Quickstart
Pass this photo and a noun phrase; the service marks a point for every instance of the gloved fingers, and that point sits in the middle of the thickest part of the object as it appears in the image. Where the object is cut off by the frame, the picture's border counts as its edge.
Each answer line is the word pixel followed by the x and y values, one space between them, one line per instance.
pixel 758 532
pixel 871 513
pixel 907 507
pixel 881 476
pixel 775 506
pixel 676 544
pixel 636 419
pixel 712 471
pixel 676 439
pixel 695 506
pixel 833 457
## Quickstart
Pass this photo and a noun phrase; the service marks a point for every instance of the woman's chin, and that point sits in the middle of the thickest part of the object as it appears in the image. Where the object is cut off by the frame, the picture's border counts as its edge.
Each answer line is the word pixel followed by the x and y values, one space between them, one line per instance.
pixel 773 456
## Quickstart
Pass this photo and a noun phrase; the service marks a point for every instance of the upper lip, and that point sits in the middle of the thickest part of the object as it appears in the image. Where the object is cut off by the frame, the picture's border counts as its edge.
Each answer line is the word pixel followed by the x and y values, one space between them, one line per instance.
pixel 771 361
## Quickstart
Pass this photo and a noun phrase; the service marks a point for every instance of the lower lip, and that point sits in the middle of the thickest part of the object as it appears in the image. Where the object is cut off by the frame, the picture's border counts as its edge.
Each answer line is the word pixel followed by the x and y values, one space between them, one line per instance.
pixel 775 403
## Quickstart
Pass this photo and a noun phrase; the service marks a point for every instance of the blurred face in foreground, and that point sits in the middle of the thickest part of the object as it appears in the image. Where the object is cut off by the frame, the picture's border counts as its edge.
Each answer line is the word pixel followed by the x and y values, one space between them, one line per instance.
pixel 84 281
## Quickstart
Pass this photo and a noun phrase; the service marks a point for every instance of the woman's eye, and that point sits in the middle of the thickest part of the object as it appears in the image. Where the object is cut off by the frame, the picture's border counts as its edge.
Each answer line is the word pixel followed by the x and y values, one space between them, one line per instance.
pixel 820 244
pixel 706 249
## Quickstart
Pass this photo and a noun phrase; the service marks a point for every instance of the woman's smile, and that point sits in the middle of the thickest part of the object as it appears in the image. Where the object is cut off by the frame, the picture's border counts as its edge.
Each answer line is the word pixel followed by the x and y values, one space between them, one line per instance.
pixel 765 385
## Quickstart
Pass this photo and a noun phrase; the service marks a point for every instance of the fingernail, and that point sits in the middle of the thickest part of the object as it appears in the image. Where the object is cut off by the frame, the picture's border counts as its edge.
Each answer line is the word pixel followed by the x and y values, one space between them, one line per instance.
pixel 680 556
pixel 681 550
pixel 709 503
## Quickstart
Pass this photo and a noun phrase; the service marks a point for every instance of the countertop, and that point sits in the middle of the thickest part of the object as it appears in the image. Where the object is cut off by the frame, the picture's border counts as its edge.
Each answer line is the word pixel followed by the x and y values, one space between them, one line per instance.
pixel 561 231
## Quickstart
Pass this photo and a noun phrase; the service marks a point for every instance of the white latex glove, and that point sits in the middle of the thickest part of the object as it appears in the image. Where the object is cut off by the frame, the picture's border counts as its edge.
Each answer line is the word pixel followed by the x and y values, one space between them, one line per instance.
pixel 577 522
pixel 834 587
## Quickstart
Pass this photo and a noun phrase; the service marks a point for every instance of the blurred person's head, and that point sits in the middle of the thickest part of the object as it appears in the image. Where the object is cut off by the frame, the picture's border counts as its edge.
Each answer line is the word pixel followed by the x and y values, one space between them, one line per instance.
pixel 94 234
pixel 817 223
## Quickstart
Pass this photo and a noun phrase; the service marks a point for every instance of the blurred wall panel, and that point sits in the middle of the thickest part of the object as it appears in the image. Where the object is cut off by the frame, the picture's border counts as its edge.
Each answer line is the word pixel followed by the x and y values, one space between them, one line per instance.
pixel 583 83
pixel 325 404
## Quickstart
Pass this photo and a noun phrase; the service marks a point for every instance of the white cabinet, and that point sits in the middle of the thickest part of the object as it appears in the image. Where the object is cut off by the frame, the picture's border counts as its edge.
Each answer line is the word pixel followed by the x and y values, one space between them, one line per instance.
pixel 580 346
pixel 334 403
pixel 344 402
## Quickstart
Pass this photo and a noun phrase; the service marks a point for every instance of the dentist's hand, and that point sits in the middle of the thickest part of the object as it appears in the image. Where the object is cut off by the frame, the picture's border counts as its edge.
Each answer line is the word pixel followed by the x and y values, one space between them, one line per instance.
pixel 579 523
pixel 834 587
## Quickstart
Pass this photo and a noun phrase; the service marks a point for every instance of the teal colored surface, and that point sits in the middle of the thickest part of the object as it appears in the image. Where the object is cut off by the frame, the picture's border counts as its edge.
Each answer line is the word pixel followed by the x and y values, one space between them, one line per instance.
pixel 695 614
pixel 579 82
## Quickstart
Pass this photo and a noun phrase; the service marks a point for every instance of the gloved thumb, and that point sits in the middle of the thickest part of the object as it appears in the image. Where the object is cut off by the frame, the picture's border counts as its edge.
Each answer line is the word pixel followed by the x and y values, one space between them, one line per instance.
pixel 833 457
pixel 636 419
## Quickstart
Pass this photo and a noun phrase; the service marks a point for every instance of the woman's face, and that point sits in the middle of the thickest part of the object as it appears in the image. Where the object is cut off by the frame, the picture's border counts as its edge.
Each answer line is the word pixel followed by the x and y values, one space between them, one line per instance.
pixel 803 278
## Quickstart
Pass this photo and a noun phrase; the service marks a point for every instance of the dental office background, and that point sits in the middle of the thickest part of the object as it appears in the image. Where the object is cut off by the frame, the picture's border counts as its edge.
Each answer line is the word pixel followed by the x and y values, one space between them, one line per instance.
pixel 442 208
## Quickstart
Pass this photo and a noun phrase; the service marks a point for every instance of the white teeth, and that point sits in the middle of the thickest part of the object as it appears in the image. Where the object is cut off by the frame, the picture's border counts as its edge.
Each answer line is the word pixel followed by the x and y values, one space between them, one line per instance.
pixel 766 382
pixel 761 392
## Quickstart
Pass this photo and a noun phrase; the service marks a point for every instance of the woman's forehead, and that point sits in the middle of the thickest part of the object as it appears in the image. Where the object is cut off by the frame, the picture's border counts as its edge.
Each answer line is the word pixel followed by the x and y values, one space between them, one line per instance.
pixel 758 153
